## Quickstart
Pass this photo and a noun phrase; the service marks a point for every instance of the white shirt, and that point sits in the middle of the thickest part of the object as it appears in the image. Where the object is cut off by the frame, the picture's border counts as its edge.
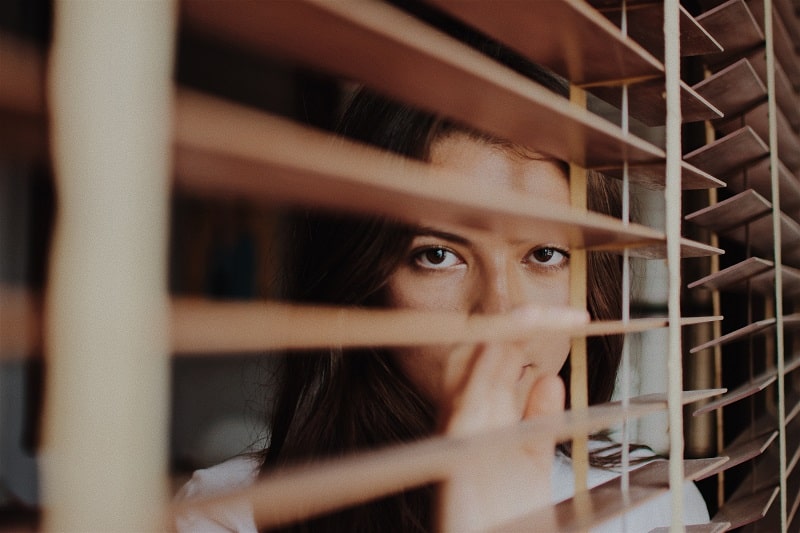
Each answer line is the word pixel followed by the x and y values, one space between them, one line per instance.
pixel 241 472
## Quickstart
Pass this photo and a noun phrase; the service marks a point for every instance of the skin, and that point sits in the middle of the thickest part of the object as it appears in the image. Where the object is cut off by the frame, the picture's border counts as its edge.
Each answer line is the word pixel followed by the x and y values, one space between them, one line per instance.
pixel 478 388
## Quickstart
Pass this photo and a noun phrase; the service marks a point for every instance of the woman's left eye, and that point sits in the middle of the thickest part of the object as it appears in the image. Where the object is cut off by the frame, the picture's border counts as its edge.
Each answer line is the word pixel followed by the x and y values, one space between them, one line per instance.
pixel 548 256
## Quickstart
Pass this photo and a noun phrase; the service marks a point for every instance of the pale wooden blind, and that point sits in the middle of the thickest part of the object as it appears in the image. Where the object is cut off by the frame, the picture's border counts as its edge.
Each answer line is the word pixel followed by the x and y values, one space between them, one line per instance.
pixel 650 105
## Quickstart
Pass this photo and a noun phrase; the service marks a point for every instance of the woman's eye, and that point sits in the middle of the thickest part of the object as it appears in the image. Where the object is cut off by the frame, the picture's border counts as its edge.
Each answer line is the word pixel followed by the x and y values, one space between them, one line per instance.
pixel 548 256
pixel 436 258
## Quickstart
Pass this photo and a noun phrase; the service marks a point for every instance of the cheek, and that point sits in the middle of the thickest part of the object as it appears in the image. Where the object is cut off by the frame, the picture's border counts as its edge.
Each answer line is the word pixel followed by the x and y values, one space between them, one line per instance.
pixel 425 368
pixel 555 350
pixel 441 292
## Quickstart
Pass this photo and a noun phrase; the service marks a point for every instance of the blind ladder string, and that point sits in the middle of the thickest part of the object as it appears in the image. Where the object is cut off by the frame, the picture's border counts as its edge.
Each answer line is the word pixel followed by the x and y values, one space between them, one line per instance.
pixel 626 296
pixel 673 229
pixel 778 258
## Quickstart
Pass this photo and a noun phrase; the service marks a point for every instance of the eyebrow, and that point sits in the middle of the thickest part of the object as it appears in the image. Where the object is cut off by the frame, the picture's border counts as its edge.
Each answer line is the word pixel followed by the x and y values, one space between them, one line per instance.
pixel 432 232
pixel 427 231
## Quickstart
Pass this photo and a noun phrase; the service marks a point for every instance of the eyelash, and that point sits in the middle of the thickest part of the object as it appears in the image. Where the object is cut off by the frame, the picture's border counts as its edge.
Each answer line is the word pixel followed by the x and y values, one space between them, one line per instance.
pixel 418 256
pixel 555 250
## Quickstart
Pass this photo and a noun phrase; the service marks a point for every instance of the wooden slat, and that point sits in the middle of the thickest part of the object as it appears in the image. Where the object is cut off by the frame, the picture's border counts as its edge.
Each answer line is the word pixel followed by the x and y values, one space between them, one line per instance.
pixel 689 397
pixel 689 249
pixel 733 275
pixel 646 102
pixel 765 283
pixel 747 508
pixel 427 67
pixel 213 327
pixel 794 491
pixel 616 327
pixel 207 327
pixel 567 36
pixel 741 452
pixel 646 26
pixel 789 14
pixel 731 212
pixel 711 527
pixel 751 387
pixel 753 273
pixel 791 365
pixel 734 89
pixel 764 422
pixel 759 327
pixel 757 177
pixel 734 28
pixel 785 94
pixel 792 445
pixel 760 235
pixel 652 176
pixel 218 327
pixel 785 51
pixel 295 493
pixel 730 153
pixel 765 471
pixel 792 406
pixel 226 149
pixel 606 501
pixel 757 118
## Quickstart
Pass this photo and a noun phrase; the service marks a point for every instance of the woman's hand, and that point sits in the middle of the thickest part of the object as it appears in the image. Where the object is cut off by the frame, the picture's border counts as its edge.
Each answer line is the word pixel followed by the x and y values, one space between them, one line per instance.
pixel 495 390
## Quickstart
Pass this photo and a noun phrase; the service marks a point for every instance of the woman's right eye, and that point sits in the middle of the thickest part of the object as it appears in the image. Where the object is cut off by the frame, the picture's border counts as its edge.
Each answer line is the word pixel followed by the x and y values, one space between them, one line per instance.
pixel 436 258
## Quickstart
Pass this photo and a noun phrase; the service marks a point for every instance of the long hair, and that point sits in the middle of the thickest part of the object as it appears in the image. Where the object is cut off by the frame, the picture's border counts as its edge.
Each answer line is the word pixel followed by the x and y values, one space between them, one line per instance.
pixel 333 402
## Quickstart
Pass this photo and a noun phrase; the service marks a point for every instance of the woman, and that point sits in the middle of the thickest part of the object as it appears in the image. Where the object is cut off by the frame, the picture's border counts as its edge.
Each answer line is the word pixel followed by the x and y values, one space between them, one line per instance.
pixel 333 403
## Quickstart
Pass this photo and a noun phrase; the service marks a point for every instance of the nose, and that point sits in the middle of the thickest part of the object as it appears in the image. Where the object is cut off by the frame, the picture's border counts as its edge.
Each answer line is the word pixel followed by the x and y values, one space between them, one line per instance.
pixel 499 287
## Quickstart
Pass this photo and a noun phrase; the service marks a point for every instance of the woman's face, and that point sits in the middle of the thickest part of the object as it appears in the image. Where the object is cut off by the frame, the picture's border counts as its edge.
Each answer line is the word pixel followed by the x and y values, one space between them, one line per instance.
pixel 453 268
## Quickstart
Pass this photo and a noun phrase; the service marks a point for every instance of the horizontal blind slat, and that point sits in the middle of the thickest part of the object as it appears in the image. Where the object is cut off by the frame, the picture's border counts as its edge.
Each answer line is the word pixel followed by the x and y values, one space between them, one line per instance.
pixel 597 51
pixel 762 327
pixel 747 508
pixel 346 37
pixel 785 94
pixel 734 89
pixel 734 28
pixel 652 176
pixel 224 148
pixel 299 492
pixel 757 119
pixel 729 153
pixel 646 102
pixel 646 27
pixel 749 388
pixel 742 452
pixel 213 327
pixel 757 177
pixel 734 211
pixel 752 273
pixel 606 501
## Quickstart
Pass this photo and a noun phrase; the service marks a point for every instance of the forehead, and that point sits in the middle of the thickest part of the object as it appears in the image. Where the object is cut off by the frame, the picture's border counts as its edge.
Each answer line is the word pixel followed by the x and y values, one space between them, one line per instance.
pixel 492 167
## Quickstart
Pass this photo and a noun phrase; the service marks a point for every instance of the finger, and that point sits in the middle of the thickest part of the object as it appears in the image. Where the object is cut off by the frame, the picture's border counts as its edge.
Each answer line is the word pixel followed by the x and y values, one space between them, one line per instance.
pixel 546 397
pixel 487 398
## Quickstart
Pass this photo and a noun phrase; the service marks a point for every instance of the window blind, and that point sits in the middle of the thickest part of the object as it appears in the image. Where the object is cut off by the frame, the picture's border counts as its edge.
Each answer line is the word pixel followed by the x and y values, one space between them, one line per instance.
pixel 712 107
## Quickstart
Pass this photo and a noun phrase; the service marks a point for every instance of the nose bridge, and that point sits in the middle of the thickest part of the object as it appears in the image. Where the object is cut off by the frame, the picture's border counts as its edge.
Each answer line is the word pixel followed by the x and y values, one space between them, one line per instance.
pixel 500 288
